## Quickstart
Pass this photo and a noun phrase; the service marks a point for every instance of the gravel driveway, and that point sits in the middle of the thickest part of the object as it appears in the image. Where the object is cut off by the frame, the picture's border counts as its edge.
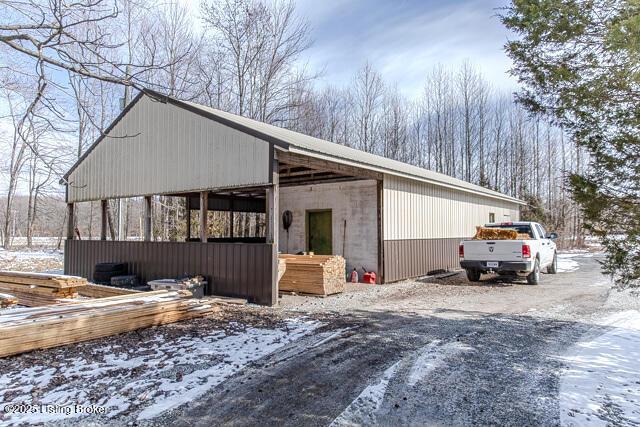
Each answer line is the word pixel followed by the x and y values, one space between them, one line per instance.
pixel 430 352
pixel 418 353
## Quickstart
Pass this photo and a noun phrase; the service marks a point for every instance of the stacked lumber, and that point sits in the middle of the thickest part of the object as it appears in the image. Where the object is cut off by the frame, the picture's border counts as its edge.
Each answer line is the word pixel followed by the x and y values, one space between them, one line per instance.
pixel 28 329
pixel 38 289
pixel 7 300
pixel 486 233
pixel 282 267
pixel 91 290
pixel 313 274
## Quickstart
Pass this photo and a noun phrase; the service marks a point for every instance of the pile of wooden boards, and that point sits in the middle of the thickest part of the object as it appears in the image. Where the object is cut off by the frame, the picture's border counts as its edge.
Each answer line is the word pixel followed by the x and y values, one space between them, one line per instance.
pixel 313 274
pixel 102 291
pixel 27 329
pixel 38 289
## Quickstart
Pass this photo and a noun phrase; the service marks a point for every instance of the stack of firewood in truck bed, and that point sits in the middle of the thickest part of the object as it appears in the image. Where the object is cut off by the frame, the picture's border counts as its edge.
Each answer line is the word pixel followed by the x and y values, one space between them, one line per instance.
pixel 313 274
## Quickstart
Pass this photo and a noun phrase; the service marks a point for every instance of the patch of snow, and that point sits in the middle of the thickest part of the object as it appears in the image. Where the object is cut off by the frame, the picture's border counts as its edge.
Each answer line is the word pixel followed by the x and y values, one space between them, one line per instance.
pixel 431 357
pixel 363 409
pixel 156 376
pixel 26 255
pixel 336 334
pixel 566 264
pixel 601 385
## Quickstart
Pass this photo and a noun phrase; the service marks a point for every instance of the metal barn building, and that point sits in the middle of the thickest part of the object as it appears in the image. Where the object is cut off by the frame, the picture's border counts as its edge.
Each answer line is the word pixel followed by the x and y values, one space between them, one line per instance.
pixel 387 216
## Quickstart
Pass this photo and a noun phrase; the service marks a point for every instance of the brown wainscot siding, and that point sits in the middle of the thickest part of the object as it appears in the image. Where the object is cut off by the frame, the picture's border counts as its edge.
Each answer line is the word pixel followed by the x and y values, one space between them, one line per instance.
pixel 232 269
pixel 404 259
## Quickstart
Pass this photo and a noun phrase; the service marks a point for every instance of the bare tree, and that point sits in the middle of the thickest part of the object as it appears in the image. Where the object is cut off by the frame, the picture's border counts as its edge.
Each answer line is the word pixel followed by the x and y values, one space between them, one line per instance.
pixel 366 99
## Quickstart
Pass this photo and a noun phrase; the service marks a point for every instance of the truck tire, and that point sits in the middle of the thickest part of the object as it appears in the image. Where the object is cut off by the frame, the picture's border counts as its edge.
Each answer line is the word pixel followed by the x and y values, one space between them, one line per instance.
pixel 473 275
pixel 534 277
pixel 553 267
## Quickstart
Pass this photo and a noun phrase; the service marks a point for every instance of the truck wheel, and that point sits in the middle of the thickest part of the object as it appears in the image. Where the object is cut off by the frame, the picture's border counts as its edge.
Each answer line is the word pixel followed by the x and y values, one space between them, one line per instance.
pixel 553 267
pixel 534 277
pixel 473 275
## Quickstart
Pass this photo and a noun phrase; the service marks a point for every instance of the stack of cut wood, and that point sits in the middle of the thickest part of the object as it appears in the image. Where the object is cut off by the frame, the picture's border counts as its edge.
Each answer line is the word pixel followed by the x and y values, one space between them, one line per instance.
pixel 313 274
pixel 28 329
pixel 282 267
pixel 486 233
pixel 101 291
pixel 7 300
pixel 37 289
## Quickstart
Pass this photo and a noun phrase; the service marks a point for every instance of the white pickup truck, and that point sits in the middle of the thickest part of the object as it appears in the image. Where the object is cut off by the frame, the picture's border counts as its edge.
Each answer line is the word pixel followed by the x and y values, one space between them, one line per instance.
pixel 524 258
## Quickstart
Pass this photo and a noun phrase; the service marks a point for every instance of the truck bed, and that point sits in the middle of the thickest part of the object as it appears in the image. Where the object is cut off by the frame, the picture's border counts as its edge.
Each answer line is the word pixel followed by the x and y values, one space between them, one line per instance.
pixel 493 250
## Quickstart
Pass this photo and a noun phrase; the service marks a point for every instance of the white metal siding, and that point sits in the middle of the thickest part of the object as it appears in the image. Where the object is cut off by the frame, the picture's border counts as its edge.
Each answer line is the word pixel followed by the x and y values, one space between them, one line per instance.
pixel 159 148
pixel 354 202
pixel 417 210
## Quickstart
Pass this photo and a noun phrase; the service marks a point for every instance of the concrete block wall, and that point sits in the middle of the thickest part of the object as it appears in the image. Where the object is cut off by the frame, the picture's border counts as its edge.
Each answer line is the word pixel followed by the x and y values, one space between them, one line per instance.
pixel 353 201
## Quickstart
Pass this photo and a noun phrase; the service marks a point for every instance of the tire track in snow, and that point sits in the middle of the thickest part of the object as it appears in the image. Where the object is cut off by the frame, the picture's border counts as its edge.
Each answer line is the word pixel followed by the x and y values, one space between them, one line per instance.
pixel 363 409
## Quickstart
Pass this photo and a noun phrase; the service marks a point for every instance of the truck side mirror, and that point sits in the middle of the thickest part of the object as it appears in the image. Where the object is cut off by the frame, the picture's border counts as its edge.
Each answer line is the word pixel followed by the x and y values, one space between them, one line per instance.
pixel 552 236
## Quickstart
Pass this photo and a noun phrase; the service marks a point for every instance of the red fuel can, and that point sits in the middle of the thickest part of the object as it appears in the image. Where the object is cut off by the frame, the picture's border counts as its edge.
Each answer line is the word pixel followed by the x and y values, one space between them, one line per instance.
pixel 369 277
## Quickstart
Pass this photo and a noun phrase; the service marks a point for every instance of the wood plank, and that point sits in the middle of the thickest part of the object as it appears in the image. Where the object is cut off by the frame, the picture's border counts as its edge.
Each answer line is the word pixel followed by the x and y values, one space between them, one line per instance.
pixel 28 329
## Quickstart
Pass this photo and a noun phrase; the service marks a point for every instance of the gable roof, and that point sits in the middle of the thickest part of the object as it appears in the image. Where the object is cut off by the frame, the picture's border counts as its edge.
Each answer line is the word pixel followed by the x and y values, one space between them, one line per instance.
pixel 296 142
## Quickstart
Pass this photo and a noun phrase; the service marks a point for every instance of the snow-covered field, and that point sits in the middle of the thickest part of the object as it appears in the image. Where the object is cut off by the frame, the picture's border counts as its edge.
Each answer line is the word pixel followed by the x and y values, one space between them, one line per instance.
pixel 46 260
pixel 601 385
pixel 145 381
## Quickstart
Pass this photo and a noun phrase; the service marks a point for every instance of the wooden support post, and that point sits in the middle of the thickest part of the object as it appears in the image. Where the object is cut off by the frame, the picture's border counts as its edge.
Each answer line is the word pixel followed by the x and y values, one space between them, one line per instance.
pixel 273 209
pixel 204 209
pixel 103 219
pixel 188 206
pixel 71 219
pixel 148 215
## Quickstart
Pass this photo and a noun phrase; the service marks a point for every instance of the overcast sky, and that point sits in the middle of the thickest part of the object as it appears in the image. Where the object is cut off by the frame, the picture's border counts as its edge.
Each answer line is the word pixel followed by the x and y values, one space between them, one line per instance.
pixel 404 39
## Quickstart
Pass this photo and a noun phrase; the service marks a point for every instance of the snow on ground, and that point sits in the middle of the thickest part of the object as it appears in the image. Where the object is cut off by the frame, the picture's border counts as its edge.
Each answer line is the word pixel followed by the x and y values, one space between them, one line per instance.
pixel 48 260
pixel 156 376
pixel 363 409
pixel 567 264
pixel 412 370
pixel 601 385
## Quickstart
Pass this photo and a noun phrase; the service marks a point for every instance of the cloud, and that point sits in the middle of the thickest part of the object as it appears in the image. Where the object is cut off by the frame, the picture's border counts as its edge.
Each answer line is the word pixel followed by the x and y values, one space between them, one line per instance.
pixel 405 39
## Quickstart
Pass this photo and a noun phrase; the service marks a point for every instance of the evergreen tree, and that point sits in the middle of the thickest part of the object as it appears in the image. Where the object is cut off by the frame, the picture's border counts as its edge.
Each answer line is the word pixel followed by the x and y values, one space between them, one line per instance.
pixel 579 63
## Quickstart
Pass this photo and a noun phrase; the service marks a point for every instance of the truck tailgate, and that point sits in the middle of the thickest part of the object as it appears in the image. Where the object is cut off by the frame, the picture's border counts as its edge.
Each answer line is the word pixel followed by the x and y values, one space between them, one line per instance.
pixel 493 250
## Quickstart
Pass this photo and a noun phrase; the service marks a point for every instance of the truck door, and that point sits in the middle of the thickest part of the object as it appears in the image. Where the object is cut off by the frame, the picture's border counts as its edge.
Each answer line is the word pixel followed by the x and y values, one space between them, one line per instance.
pixel 546 252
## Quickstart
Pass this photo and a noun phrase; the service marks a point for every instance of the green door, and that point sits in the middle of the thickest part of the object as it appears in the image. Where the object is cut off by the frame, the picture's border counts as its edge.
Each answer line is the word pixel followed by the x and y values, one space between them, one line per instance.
pixel 319 240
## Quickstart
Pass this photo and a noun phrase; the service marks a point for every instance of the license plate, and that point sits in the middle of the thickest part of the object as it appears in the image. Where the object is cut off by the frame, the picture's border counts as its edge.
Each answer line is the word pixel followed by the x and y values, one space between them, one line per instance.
pixel 492 264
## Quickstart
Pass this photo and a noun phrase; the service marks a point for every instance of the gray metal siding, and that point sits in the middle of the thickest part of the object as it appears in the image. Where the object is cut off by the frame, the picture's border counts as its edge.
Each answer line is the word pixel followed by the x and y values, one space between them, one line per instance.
pixel 232 269
pixel 159 148
pixel 418 210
